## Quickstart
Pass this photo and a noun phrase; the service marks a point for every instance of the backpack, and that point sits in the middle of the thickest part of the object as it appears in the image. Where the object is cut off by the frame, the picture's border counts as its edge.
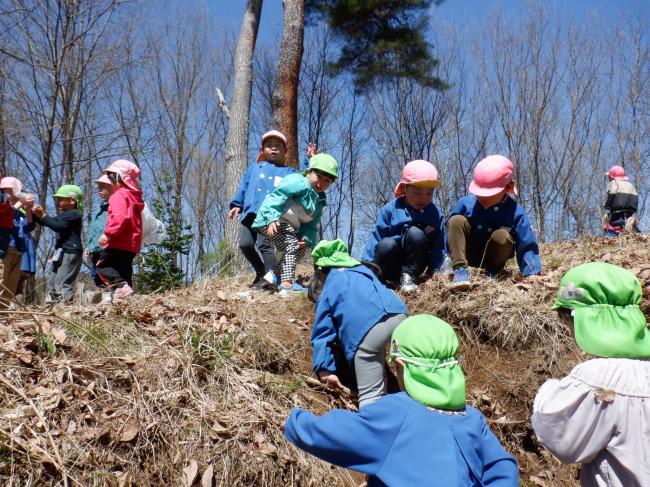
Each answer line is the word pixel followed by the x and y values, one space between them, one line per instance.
pixel 153 230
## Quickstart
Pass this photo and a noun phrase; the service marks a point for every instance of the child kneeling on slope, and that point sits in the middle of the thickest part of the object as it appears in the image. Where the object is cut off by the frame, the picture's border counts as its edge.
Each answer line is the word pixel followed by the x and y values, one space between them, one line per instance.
pixel 409 236
pixel 488 227
pixel 356 310
pixel 289 216
pixel 424 436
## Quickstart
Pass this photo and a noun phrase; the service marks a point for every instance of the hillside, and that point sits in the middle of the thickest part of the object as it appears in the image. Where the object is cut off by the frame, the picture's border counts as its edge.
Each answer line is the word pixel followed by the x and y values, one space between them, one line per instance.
pixel 192 386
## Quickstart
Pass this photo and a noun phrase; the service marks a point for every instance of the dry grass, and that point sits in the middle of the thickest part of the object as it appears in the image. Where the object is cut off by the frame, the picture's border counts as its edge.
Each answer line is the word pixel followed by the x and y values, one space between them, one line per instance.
pixel 194 384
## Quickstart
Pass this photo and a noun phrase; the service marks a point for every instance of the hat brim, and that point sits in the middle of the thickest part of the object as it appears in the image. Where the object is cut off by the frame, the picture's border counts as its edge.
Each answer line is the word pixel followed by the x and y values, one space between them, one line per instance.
pixel 400 189
pixel 477 190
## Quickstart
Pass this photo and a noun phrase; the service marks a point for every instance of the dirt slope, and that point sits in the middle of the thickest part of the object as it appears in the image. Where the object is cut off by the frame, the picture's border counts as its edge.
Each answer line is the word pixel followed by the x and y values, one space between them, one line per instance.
pixel 191 386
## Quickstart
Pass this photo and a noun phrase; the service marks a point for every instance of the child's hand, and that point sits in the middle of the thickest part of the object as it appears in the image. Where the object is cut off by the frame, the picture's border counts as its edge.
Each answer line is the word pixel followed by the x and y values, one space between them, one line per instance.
pixel 302 244
pixel 233 212
pixel 103 239
pixel 330 379
pixel 312 149
pixel 272 229
pixel 38 211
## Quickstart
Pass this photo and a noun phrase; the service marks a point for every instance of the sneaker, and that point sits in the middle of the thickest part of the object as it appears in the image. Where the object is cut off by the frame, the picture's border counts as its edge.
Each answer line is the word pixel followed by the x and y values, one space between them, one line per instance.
pixel 259 278
pixel 122 292
pixel 407 284
pixel 295 288
pixel 107 297
pixel 272 279
pixel 461 278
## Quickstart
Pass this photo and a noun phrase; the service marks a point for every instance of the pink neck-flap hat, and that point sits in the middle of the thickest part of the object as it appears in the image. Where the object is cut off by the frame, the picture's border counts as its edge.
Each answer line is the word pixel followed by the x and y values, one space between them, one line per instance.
pixel 617 173
pixel 129 173
pixel 419 173
pixel 491 176
pixel 271 133
pixel 11 183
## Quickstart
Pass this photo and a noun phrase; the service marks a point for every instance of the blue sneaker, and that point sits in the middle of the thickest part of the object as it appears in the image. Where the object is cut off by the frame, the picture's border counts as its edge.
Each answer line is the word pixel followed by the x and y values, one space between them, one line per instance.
pixel 461 278
pixel 295 288
pixel 272 279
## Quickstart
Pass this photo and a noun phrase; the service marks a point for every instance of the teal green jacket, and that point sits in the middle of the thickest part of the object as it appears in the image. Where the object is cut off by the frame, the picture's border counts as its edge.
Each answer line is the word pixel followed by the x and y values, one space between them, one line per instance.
pixel 294 188
pixel 97 228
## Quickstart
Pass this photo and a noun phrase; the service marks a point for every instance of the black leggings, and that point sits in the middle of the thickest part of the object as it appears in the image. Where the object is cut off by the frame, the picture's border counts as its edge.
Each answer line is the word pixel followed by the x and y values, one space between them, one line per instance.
pixel 115 267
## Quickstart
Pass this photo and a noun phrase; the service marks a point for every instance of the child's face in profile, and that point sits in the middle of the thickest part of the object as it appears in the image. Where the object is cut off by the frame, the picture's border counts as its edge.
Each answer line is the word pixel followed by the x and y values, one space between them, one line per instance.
pixel 274 150
pixel 63 204
pixel 104 190
pixel 319 180
pixel 418 198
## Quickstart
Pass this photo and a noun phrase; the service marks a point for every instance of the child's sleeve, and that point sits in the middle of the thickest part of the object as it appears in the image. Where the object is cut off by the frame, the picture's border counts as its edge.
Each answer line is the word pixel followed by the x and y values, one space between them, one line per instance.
pixel 359 441
pixel 272 207
pixel 570 422
pixel 499 468
pixel 309 230
pixel 381 231
pixel 323 332
pixel 526 246
pixel 438 250
pixel 56 223
pixel 238 199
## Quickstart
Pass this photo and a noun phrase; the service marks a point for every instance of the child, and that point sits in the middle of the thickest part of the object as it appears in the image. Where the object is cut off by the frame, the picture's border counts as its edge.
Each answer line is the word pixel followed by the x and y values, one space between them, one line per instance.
pixel 621 204
pixel 426 435
pixel 356 310
pixel 258 181
pixel 66 261
pixel 122 235
pixel 17 245
pixel 599 415
pixel 289 216
pixel 488 227
pixel 94 249
pixel 409 235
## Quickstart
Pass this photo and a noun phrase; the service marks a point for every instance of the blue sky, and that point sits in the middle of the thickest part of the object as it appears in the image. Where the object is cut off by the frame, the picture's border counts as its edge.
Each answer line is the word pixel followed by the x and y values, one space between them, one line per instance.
pixel 229 12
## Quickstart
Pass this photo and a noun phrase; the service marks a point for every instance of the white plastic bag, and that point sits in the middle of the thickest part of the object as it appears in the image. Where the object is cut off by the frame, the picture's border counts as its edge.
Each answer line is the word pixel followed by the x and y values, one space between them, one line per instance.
pixel 153 230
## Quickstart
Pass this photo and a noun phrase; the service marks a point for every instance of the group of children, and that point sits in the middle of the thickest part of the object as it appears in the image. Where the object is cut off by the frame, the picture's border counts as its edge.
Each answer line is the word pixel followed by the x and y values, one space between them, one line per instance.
pixel 427 430
pixel 114 237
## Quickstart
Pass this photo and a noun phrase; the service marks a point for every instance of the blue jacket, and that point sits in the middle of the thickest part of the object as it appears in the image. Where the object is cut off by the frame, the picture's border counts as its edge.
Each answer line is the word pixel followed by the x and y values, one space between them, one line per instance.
pixel 97 228
pixel 508 215
pixel 352 301
pixel 294 189
pixel 21 227
pixel 260 179
pixel 396 217
pixel 399 442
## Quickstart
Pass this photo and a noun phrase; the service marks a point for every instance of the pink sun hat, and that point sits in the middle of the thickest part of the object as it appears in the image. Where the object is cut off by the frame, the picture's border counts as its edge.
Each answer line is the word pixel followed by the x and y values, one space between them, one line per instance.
pixel 11 183
pixel 271 133
pixel 419 173
pixel 492 175
pixel 617 173
pixel 129 173
pixel 103 179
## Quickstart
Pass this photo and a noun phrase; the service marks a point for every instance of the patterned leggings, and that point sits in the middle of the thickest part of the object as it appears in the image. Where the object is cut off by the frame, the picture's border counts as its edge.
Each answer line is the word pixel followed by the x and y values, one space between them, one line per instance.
pixel 287 242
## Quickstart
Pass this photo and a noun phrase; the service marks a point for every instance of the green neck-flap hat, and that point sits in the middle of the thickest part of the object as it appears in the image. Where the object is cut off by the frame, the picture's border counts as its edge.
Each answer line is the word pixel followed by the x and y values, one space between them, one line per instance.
pixel 607 320
pixel 71 191
pixel 324 163
pixel 332 253
pixel 432 375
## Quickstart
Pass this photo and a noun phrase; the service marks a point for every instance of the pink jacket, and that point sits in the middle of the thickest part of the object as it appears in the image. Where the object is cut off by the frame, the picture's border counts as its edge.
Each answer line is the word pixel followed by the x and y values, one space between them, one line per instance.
pixel 124 222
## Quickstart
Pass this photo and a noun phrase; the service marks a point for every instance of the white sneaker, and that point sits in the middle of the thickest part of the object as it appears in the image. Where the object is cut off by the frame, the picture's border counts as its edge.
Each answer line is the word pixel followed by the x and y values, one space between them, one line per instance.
pixel 407 284
pixel 272 278
pixel 107 297
pixel 122 292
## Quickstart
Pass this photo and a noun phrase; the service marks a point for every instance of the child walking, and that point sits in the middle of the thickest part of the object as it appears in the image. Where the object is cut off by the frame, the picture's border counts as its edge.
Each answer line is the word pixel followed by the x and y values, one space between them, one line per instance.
pixel 354 309
pixel 599 415
pixel 22 224
pixel 260 179
pixel 426 435
pixel 409 235
pixel 488 227
pixel 67 257
pixel 122 235
pixel 621 204
pixel 289 216
pixel 94 249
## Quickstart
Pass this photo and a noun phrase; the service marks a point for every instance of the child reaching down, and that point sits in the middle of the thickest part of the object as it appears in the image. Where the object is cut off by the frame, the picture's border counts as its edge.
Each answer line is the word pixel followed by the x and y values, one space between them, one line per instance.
pixel 426 435
pixel 409 235
pixel 289 216
pixel 488 227
pixel 356 310
pixel 67 258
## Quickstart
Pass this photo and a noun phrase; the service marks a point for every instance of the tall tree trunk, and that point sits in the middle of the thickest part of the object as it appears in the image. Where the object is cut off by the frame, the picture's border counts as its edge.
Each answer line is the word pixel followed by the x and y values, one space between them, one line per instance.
pixel 237 138
pixel 287 75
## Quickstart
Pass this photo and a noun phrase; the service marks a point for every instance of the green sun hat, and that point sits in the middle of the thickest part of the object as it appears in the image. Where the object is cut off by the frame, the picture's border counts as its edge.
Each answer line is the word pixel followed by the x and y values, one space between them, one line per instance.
pixel 71 191
pixel 324 163
pixel 428 345
pixel 607 320
pixel 333 253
